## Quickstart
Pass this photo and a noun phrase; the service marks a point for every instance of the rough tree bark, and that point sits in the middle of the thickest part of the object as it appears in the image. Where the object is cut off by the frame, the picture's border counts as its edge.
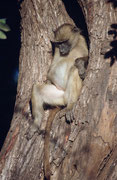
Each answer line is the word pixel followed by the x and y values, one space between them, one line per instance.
pixel 85 149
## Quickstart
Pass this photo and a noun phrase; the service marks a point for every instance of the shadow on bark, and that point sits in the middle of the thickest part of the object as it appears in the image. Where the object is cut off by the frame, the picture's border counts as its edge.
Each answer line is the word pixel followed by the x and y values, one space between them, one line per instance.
pixel 112 53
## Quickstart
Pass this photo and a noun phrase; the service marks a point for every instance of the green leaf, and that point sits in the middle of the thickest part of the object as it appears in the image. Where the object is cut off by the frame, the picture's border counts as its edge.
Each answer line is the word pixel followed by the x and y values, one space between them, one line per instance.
pixel 4 27
pixel 3 21
pixel 2 35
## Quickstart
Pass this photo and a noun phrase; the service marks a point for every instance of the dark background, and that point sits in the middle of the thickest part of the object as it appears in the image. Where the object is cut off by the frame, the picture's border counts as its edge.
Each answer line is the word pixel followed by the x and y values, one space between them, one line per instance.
pixel 9 55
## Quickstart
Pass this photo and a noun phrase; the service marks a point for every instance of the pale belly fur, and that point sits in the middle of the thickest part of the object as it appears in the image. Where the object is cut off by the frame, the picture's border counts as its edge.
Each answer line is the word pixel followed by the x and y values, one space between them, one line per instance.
pixel 58 75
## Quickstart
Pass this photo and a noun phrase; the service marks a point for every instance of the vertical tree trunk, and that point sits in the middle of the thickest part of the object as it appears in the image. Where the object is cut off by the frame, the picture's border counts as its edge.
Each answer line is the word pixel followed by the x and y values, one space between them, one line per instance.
pixel 85 149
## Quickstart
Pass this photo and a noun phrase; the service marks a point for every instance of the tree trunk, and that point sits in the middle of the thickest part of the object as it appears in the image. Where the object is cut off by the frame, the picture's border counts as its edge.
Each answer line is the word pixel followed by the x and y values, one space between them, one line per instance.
pixel 85 149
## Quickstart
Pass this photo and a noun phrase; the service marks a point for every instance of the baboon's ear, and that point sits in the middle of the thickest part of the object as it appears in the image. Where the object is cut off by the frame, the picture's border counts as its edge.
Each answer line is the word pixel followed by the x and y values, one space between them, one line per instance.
pixel 75 29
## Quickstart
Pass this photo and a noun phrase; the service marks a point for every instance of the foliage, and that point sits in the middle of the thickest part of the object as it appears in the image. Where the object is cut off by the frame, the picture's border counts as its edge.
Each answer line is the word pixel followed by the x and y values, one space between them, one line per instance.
pixel 3 27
